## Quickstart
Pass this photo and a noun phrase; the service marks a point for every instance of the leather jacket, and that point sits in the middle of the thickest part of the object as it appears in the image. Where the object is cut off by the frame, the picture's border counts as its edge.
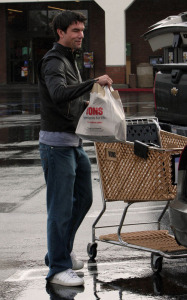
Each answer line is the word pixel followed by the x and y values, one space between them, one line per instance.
pixel 61 90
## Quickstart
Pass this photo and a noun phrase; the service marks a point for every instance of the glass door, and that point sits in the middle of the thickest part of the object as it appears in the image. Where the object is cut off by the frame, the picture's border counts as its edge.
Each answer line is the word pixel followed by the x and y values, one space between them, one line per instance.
pixel 39 48
pixel 20 63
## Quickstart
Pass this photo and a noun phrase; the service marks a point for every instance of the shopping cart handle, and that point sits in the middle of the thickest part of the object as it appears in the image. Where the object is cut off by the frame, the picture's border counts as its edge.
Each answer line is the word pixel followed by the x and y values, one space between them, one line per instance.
pixel 141 149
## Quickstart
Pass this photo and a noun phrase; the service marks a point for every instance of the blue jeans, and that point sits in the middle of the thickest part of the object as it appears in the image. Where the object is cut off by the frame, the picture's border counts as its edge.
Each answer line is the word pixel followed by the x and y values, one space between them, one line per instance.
pixel 67 173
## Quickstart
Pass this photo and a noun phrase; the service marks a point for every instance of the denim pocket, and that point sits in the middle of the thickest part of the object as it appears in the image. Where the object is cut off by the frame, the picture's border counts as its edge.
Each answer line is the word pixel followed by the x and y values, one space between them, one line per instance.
pixel 44 157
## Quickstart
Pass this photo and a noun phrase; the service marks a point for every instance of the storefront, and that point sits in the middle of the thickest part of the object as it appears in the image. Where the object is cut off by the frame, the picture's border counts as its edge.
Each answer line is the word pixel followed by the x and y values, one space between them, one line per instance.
pixel 29 36
pixel 26 36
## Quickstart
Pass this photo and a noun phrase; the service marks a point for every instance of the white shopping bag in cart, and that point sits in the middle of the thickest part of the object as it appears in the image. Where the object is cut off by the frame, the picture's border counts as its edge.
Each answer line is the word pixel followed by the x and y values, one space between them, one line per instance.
pixel 104 118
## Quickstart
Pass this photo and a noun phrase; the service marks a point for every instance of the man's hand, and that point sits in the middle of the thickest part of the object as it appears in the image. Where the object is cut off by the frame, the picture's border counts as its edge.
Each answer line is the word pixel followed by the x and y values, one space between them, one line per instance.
pixel 104 80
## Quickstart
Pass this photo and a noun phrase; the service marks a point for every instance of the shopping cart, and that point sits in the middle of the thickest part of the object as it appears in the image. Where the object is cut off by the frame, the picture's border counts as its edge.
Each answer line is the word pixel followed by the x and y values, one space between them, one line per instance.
pixel 140 170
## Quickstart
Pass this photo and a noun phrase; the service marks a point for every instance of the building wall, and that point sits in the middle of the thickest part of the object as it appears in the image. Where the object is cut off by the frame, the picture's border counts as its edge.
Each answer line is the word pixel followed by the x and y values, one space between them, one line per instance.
pixel 139 16
pixel 97 37
pixel 3 69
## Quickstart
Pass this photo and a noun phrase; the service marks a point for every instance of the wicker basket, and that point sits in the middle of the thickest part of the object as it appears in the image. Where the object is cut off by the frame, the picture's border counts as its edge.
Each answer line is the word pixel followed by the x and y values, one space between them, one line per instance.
pixel 127 177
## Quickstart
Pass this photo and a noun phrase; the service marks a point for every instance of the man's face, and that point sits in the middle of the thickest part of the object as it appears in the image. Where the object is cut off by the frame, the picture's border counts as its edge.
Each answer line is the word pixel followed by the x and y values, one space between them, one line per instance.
pixel 73 37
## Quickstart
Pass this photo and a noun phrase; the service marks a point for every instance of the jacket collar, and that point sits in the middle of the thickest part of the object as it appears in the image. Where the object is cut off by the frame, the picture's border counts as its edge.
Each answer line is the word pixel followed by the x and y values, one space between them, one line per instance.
pixel 64 50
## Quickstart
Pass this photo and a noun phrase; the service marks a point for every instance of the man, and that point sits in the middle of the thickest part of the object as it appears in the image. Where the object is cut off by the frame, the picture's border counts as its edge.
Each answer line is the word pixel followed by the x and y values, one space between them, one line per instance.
pixel 66 166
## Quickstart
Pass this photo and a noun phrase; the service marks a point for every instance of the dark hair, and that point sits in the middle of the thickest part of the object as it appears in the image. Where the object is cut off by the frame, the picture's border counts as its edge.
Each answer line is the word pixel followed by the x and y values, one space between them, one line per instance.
pixel 64 19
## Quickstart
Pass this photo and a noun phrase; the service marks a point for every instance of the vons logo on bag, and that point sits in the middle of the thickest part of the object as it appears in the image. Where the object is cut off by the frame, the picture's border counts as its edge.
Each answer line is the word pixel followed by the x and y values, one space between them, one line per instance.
pixel 94 111
pixel 94 114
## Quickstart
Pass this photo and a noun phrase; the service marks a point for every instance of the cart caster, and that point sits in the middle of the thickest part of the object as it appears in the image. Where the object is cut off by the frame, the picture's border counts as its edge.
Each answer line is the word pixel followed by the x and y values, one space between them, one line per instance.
pixel 156 262
pixel 92 250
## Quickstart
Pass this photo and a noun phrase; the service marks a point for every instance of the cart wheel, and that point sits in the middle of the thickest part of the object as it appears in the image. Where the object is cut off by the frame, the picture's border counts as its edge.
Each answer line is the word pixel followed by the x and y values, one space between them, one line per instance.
pixel 92 250
pixel 156 262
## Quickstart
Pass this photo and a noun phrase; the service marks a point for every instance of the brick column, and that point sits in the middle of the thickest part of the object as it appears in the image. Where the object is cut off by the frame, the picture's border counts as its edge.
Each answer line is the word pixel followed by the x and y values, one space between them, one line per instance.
pixel 117 73
pixel 115 37
pixel 3 71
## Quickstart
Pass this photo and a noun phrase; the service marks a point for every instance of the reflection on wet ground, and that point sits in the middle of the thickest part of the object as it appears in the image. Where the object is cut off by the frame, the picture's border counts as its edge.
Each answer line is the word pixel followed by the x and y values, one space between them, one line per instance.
pixel 20 122
pixel 19 134
pixel 16 102
pixel 58 292
pixel 110 281
pixel 16 156
pixel 27 102
pixel 154 284
pixel 19 113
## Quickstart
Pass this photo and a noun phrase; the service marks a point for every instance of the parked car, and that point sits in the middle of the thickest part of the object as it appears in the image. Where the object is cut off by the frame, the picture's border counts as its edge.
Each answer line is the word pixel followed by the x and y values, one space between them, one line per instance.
pixel 178 207
pixel 170 87
pixel 170 94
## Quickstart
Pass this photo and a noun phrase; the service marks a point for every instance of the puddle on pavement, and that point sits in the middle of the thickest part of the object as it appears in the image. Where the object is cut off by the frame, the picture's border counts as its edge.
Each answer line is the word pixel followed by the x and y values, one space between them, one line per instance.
pixel 19 134
pixel 19 155
pixel 131 288
pixel 153 285
pixel 18 109
pixel 27 102
pixel 14 102
pixel 27 155
pixel 19 162
pixel 136 104
pixel 106 281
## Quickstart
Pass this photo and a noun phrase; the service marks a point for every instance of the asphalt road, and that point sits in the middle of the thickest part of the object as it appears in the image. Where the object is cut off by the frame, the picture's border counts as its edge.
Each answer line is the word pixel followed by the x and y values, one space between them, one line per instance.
pixel 117 272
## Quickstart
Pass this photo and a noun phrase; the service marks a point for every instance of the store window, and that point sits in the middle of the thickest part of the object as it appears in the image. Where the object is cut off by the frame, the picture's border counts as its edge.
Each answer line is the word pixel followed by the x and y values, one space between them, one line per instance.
pixel 20 60
pixel 38 20
pixel 29 38
pixel 51 14
pixel 17 19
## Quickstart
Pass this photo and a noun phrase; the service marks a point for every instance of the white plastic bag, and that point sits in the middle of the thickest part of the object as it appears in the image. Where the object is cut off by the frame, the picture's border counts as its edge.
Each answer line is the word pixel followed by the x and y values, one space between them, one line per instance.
pixel 104 118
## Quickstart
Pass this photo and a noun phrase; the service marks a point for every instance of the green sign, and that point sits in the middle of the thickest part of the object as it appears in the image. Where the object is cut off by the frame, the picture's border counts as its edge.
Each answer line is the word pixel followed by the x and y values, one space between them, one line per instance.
pixel 128 49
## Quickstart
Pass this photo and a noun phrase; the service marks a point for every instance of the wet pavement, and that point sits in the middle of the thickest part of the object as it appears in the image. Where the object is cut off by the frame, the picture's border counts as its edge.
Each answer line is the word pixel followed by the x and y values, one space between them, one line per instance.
pixel 117 272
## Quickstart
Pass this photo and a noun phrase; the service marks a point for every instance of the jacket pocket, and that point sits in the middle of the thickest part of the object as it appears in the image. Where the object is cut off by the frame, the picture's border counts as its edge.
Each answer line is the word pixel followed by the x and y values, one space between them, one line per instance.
pixel 75 109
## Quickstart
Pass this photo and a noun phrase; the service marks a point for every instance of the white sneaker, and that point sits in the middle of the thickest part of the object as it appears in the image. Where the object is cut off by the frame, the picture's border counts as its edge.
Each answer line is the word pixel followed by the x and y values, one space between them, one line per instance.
pixel 76 264
pixel 67 278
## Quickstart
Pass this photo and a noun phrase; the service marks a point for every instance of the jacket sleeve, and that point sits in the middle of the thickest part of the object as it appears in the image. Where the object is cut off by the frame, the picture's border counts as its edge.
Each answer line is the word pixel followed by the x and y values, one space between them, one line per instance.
pixel 54 74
